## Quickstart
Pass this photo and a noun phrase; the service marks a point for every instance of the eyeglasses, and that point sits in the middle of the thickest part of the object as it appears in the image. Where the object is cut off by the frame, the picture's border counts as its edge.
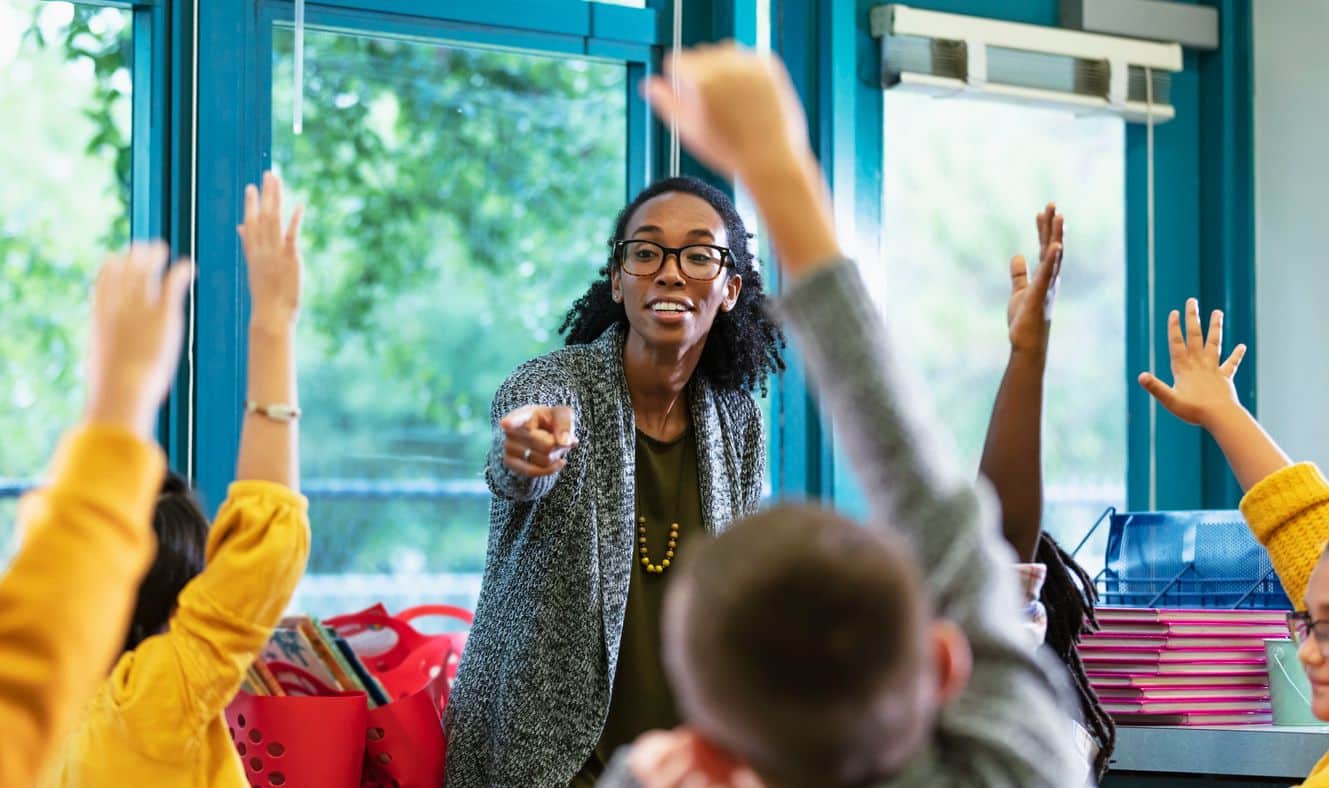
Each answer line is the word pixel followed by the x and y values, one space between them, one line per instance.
pixel 698 262
pixel 1301 625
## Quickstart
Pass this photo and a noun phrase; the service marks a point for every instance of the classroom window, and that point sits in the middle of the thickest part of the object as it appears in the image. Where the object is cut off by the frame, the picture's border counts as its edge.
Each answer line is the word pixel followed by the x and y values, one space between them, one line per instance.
pixel 963 180
pixel 459 199
pixel 65 153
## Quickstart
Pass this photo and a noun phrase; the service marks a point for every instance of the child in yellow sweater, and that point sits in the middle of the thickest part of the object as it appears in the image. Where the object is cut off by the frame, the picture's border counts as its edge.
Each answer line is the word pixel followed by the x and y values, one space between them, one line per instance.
pixel 66 596
pixel 1286 505
pixel 157 720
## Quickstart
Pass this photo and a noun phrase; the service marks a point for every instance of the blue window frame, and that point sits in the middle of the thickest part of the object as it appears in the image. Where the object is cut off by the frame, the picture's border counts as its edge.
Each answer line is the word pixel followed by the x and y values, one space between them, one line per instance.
pixel 1205 247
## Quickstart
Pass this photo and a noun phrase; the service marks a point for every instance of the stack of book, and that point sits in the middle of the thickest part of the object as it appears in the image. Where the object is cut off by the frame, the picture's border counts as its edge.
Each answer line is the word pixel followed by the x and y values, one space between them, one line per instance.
pixel 1182 667
pixel 305 657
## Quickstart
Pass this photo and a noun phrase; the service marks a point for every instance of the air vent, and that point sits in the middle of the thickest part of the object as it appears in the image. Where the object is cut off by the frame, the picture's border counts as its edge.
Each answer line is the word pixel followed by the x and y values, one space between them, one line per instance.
pixel 949 54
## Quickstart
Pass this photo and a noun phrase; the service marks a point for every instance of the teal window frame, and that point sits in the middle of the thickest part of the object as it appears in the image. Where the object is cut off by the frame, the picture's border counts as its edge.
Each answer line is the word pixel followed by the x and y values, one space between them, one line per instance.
pixel 1204 187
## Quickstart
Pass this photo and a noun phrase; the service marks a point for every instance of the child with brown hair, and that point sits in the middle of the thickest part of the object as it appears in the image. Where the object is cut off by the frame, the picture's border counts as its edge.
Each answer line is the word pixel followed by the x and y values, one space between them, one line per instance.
pixel 806 650
pixel 86 535
pixel 198 626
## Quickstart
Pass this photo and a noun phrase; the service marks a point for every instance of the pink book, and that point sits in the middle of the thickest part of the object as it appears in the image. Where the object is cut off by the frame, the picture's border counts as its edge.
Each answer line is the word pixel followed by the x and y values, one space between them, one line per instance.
pixel 1248 718
pixel 1103 681
pixel 1158 642
pixel 1092 653
pixel 1274 618
pixel 1245 667
pixel 1202 694
pixel 1185 706
pixel 1260 632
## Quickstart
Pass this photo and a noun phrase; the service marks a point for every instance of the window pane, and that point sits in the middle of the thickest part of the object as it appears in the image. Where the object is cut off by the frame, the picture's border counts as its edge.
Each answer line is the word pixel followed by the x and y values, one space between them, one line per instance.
pixel 459 201
pixel 64 71
pixel 963 181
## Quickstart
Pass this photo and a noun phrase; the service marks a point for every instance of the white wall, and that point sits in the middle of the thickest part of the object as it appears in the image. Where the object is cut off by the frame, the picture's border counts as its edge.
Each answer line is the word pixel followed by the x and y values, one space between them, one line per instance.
pixel 1292 223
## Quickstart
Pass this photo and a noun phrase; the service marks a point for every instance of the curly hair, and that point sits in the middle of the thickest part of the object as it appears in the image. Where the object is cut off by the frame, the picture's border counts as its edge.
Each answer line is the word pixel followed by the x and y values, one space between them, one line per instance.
pixel 744 344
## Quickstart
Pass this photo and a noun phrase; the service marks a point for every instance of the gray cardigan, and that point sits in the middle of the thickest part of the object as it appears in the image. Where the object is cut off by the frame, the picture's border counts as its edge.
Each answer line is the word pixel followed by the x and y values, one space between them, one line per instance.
pixel 533 689
pixel 1008 728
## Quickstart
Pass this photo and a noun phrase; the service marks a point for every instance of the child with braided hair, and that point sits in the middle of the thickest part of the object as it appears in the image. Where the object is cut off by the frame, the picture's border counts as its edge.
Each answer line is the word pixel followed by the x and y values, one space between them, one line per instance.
pixel 1059 592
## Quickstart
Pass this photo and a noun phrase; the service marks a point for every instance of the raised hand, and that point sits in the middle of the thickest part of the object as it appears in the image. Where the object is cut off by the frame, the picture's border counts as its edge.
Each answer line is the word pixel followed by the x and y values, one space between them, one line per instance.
pixel 272 254
pixel 537 439
pixel 1202 389
pixel 736 111
pixel 681 759
pixel 137 325
pixel 1029 312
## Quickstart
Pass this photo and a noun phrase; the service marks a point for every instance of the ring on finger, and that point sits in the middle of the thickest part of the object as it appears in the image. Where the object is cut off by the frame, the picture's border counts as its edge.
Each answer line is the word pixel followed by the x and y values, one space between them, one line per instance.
pixel 526 455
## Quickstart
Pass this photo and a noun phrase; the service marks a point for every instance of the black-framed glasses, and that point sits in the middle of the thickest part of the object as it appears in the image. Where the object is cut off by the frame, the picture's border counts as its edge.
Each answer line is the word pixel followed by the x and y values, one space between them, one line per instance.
pixel 699 262
pixel 1302 626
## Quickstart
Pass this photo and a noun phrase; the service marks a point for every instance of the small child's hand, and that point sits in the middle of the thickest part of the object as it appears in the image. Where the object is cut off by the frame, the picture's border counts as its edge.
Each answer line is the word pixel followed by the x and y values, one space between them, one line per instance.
pixel 537 439
pixel 137 326
pixel 680 758
pixel 1029 313
pixel 271 254
pixel 736 110
pixel 1202 387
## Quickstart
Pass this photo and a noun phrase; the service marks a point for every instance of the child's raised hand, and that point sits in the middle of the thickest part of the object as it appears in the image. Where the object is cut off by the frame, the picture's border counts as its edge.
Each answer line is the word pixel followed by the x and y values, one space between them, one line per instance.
pixel 272 254
pixel 736 110
pixel 681 758
pixel 137 325
pixel 1202 387
pixel 1029 313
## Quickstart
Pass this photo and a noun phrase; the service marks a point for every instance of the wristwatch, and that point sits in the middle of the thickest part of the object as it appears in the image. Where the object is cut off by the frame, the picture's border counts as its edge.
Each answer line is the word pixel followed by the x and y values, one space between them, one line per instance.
pixel 276 411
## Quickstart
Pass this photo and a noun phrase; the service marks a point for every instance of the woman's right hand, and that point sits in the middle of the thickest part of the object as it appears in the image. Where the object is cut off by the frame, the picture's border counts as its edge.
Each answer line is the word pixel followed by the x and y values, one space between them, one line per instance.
pixel 537 439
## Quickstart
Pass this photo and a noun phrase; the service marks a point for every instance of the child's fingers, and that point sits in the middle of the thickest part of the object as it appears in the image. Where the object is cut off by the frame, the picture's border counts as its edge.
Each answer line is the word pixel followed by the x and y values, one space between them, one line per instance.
pixel 251 204
pixel 178 279
pixel 146 261
pixel 1047 269
pixel 1194 336
pixel 1176 344
pixel 1058 223
pixel 1019 273
pixel 1213 343
pixel 1233 362
pixel 1044 227
pixel 270 196
pixel 661 96
pixel 293 229
pixel 1159 390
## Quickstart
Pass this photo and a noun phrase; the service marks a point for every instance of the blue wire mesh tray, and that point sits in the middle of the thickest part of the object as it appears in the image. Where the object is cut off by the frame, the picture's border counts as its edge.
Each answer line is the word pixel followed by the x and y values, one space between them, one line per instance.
pixel 1185 559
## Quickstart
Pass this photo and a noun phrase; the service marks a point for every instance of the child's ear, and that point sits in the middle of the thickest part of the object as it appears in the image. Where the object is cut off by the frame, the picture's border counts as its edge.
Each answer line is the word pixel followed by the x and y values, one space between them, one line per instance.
pixel 954 660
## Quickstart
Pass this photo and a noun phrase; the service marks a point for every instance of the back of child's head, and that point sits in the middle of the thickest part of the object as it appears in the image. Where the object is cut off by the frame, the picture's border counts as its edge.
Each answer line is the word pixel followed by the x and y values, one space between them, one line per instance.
pixel 182 535
pixel 798 642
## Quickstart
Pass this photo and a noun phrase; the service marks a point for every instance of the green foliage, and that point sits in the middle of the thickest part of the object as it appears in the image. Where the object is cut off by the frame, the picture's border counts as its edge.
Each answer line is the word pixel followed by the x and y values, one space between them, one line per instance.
pixel 64 84
pixel 458 201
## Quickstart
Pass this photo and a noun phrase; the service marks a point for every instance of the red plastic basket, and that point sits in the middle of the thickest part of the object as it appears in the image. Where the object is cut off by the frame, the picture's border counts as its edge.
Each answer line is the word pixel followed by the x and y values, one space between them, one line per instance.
pixel 299 742
pixel 404 745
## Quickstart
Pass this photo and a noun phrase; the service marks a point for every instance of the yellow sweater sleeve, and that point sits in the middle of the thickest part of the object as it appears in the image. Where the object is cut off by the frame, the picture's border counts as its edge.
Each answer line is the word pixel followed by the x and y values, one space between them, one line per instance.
pixel 66 600
pixel 167 690
pixel 1288 511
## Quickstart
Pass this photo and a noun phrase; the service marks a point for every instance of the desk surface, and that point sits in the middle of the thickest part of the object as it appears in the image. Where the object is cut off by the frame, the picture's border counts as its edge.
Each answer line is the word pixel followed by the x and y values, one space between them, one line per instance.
pixel 1239 750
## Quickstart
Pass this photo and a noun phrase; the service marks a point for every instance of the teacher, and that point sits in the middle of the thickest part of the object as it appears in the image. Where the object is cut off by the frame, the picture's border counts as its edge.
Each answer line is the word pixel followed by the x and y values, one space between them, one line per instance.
pixel 611 457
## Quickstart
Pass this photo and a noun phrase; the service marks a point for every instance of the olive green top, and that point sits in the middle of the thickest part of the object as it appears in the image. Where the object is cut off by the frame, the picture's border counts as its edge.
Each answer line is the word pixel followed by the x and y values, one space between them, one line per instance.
pixel 667 492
